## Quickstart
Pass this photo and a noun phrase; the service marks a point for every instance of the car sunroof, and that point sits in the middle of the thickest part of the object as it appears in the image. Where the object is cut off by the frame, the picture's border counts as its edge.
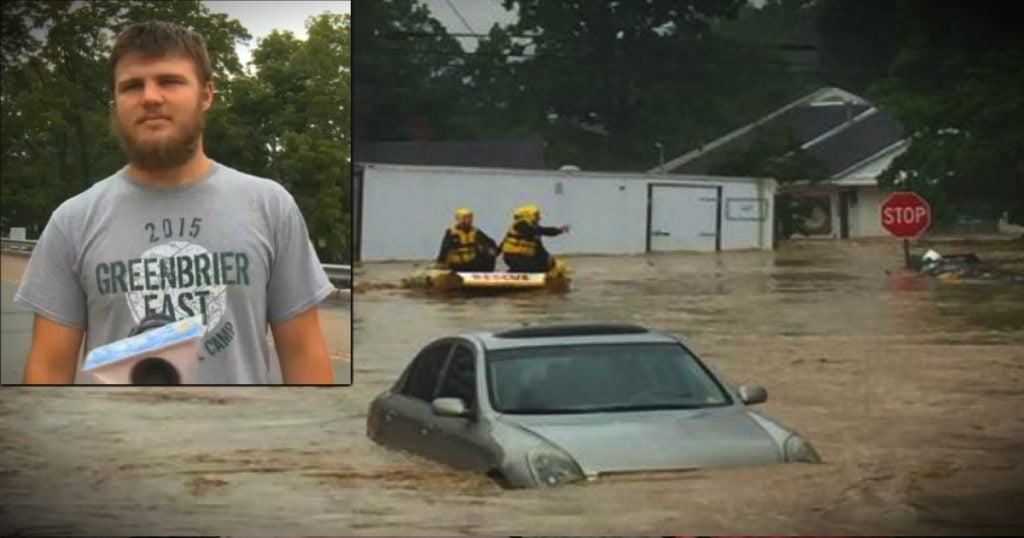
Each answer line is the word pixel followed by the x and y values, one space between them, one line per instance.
pixel 589 329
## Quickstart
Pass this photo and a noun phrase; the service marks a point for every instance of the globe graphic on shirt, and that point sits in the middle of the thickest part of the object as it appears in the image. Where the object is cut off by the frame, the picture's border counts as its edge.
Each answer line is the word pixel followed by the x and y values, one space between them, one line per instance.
pixel 188 295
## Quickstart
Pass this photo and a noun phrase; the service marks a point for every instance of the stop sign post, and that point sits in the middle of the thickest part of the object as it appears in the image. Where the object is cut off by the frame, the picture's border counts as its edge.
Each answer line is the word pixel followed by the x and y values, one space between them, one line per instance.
pixel 906 214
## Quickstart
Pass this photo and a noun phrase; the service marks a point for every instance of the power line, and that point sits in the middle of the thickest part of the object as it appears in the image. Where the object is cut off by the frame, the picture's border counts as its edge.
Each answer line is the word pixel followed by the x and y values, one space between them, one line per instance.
pixel 765 66
pixel 385 45
pixel 805 47
pixel 459 15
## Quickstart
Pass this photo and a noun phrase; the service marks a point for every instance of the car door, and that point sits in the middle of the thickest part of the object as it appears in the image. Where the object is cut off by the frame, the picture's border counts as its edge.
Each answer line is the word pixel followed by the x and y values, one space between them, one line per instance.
pixel 406 417
pixel 460 441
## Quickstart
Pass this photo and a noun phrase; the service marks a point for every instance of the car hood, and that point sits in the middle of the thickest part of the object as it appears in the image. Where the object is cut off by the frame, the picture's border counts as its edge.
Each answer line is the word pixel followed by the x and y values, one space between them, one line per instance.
pixel 656 440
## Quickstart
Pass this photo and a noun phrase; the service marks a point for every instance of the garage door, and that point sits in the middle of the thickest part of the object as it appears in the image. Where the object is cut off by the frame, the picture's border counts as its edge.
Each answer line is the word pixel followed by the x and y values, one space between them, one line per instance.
pixel 683 218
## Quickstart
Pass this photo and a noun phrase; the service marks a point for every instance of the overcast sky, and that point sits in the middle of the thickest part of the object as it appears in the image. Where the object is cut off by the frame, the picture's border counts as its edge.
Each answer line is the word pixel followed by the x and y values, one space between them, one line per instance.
pixel 261 18
pixel 479 14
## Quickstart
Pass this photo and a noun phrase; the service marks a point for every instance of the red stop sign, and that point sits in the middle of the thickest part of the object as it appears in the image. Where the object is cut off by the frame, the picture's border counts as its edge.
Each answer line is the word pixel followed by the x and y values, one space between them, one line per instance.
pixel 905 214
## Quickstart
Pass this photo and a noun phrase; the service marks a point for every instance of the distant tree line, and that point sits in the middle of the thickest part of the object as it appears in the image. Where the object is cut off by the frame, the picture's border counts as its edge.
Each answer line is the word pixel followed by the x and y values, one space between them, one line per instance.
pixel 601 84
pixel 952 73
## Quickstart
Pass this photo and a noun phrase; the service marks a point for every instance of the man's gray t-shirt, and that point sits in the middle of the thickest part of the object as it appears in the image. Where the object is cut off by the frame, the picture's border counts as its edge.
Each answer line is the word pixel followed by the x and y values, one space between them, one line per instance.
pixel 231 247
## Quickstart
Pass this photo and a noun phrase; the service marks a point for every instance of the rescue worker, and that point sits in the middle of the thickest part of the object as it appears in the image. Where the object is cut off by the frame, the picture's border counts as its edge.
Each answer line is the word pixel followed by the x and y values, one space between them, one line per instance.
pixel 466 248
pixel 522 247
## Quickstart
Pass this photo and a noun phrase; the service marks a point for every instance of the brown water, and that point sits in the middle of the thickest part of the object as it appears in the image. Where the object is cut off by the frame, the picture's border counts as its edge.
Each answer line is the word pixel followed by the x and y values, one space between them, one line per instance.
pixel 911 389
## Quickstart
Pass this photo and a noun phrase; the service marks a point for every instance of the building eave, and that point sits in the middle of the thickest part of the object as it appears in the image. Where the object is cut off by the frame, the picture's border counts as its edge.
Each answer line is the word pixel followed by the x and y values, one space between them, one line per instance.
pixel 721 141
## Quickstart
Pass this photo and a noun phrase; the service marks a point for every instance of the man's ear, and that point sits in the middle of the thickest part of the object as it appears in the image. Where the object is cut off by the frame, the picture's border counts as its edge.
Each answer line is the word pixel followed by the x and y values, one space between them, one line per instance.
pixel 208 92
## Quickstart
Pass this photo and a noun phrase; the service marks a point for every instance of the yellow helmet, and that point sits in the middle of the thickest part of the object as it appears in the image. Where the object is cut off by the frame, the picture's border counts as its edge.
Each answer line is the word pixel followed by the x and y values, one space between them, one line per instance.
pixel 463 213
pixel 529 213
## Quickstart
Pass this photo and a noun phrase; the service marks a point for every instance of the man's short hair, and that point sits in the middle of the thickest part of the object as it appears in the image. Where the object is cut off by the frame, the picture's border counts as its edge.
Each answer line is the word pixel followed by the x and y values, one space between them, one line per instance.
pixel 156 39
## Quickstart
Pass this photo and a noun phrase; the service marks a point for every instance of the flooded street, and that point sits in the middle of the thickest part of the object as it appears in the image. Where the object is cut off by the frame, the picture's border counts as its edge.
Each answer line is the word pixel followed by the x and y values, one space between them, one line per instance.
pixel 910 388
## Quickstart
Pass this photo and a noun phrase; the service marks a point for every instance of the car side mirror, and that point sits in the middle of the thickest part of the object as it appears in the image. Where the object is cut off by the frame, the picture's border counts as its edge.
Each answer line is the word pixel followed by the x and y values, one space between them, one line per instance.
pixel 753 394
pixel 449 407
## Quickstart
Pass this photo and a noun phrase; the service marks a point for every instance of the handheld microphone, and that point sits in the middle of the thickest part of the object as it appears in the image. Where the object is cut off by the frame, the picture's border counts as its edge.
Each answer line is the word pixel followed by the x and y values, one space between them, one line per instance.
pixel 158 352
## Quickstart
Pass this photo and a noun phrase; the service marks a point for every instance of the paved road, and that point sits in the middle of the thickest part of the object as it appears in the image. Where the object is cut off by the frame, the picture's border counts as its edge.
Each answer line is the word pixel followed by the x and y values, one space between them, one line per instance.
pixel 16 331
pixel 15 335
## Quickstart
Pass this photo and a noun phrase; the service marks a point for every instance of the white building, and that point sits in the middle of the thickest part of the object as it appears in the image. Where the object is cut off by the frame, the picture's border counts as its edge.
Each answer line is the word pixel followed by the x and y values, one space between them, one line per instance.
pixel 402 210
pixel 857 197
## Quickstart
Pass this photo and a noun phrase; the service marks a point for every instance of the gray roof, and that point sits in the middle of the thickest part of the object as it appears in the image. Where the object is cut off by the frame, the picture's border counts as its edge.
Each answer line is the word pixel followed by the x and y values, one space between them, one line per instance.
pixel 488 154
pixel 860 140
pixel 489 341
pixel 837 127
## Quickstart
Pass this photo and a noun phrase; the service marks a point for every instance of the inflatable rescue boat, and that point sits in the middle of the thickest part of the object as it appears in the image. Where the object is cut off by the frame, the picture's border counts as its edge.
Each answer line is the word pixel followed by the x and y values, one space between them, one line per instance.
pixel 444 280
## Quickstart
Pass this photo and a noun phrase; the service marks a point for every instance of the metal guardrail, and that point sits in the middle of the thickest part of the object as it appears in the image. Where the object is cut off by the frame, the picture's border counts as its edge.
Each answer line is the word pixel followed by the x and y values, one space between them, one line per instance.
pixel 18 244
pixel 339 275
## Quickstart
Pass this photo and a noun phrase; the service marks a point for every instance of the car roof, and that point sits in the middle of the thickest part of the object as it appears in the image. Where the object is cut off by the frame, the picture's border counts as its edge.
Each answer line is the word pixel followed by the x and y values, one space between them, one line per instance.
pixel 566 335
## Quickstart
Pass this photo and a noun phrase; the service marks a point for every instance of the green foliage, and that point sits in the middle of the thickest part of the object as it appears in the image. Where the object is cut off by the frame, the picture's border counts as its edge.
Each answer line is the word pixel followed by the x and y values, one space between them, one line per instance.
pixel 290 122
pixel 408 85
pixel 613 79
pixel 287 122
pixel 951 73
pixel 498 103
pixel 600 83
pixel 774 152
pixel 787 24
pixel 858 39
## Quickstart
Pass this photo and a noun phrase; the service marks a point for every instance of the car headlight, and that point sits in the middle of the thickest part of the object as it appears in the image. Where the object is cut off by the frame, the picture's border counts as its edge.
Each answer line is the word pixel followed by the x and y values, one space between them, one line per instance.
pixel 551 468
pixel 798 449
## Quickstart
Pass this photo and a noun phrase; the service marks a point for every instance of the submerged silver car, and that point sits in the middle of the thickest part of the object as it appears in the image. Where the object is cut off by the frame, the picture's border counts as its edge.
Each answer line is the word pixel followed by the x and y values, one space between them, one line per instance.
pixel 544 406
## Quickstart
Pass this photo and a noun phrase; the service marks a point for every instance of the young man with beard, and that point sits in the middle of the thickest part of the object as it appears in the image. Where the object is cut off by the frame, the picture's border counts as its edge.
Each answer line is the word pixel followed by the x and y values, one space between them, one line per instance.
pixel 177 234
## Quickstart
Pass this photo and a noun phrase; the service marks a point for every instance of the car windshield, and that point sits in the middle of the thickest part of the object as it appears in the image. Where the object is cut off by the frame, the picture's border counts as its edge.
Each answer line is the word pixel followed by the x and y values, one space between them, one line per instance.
pixel 600 378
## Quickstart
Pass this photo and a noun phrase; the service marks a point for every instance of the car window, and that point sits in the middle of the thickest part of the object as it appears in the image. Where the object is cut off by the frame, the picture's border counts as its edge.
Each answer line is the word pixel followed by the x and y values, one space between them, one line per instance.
pixel 600 378
pixel 460 377
pixel 425 371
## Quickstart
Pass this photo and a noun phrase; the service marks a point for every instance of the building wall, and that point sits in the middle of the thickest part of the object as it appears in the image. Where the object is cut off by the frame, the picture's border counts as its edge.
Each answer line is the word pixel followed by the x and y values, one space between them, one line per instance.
pixel 1005 227
pixel 406 209
pixel 834 214
pixel 864 217
pixel 737 231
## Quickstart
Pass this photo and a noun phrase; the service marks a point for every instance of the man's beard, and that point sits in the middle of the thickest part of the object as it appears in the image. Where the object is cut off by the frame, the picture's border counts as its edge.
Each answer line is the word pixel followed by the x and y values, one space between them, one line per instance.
pixel 164 151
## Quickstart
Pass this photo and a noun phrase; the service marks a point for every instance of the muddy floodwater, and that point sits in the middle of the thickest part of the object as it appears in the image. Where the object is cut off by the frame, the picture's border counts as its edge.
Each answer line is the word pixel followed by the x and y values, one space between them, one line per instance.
pixel 912 390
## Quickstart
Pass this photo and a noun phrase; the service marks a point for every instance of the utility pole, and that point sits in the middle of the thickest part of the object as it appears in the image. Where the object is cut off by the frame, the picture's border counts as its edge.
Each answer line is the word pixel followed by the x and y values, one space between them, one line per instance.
pixel 661 154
